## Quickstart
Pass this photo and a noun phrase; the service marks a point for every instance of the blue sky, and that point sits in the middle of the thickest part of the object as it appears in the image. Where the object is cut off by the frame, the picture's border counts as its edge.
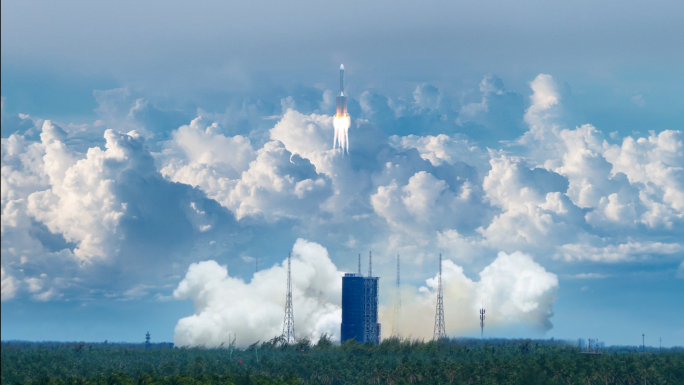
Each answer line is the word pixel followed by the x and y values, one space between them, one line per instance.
pixel 151 150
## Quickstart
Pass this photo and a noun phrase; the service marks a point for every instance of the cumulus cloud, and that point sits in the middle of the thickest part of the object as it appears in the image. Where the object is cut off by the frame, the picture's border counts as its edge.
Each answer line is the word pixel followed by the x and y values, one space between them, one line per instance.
pixel 517 291
pixel 536 212
pixel 418 180
pixel 81 203
pixel 89 218
pixel 443 148
pixel 271 182
pixel 254 311
pixel 8 285
pixel 425 202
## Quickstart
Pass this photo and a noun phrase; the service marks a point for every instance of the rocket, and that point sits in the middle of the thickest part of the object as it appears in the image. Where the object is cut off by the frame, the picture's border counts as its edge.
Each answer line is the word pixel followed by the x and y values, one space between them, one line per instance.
pixel 341 120
pixel 341 102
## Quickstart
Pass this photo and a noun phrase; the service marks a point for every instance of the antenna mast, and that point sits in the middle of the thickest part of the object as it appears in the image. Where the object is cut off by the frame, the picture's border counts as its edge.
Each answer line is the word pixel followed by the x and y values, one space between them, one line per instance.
pixel 440 331
pixel 288 324
pixel 397 304
pixel 256 267
pixel 359 264
pixel 482 319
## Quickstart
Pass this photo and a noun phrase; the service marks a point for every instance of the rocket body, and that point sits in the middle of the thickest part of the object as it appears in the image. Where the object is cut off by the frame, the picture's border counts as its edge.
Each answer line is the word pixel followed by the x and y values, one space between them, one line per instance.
pixel 341 101
pixel 341 120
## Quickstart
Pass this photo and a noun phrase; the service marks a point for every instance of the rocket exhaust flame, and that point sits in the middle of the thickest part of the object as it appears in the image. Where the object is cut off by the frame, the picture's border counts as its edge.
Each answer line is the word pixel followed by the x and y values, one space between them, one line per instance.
pixel 341 120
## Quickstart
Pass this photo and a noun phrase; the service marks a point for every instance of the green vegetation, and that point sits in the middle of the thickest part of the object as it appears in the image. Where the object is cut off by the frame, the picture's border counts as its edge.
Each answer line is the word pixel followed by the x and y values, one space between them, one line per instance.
pixel 394 361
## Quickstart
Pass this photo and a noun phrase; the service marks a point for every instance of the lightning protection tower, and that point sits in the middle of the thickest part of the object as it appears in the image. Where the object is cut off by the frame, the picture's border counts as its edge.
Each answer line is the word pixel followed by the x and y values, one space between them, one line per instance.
pixel 482 319
pixel 147 340
pixel 440 331
pixel 359 264
pixel 288 324
pixel 397 304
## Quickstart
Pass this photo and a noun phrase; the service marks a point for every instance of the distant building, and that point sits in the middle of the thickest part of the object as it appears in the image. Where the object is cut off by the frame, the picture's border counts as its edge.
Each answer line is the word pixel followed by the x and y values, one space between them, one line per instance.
pixel 360 308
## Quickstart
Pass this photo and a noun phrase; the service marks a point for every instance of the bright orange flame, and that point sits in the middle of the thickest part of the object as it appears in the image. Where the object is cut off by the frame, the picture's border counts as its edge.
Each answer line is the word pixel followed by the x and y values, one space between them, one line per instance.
pixel 341 125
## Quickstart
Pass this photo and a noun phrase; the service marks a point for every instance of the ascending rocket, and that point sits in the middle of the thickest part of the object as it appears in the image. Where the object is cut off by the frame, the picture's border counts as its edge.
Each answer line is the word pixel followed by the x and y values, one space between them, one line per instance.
pixel 341 120
pixel 341 98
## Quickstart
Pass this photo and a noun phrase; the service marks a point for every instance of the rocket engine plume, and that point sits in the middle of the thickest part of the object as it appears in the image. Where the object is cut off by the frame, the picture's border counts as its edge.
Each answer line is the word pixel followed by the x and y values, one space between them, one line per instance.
pixel 341 120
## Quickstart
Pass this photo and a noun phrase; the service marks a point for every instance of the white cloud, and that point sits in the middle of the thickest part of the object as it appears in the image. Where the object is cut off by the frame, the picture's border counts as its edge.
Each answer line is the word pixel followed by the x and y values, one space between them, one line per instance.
pixel 656 162
pixel 278 184
pixel 47 295
pixel 442 148
pixel 254 311
pixel 536 212
pixel 199 155
pixel 9 285
pixel 81 203
pixel 629 251
pixel 425 202
pixel 587 276
pixel 271 182
pixel 309 136
pixel 544 97
pixel 517 291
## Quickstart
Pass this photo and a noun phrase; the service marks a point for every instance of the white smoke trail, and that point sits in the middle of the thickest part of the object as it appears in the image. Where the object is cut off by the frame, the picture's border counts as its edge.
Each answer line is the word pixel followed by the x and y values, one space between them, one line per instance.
pixel 341 124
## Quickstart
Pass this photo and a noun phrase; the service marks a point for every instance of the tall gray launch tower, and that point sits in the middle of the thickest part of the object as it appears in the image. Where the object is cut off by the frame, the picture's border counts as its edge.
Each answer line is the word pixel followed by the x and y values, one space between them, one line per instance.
pixel 360 307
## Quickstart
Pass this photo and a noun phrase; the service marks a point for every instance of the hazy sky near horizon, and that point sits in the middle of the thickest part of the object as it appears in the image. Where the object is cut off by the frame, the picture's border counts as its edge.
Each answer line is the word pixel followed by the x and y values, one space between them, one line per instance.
pixel 527 141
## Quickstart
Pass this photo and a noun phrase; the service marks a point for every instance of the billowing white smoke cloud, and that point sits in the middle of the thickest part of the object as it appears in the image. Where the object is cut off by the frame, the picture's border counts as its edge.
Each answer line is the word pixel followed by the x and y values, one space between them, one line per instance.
pixel 254 311
pixel 516 291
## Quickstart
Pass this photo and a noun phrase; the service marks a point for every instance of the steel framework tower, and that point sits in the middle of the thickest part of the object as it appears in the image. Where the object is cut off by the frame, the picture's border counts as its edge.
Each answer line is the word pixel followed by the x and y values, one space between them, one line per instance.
pixel 256 264
pixel 370 300
pixel 288 324
pixel 440 330
pixel 482 319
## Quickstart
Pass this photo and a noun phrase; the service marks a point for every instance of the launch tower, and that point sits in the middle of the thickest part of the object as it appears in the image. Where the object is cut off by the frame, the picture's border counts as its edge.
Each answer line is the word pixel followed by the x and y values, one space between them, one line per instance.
pixel 360 307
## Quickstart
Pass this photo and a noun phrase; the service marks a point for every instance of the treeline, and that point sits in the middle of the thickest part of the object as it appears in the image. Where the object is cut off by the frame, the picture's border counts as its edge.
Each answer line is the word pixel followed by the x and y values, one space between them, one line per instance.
pixel 394 361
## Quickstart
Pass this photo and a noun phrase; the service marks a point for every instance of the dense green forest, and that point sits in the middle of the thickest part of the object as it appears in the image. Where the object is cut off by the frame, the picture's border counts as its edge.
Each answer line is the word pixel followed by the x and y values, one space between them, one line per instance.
pixel 394 361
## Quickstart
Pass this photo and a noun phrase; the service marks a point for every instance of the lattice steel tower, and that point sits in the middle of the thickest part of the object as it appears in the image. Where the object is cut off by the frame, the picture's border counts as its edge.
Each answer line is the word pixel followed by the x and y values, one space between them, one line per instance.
pixel 288 324
pixel 482 319
pixel 397 304
pixel 440 330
